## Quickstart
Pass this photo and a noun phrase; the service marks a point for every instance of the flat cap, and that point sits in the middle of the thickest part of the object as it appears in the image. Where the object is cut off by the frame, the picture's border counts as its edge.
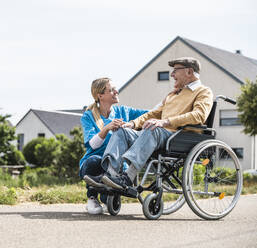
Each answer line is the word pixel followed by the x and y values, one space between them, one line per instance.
pixel 187 62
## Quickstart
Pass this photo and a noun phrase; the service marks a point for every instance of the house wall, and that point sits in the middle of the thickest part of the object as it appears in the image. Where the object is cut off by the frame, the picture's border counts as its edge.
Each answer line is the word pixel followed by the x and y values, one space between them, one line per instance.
pixel 147 91
pixel 31 126
pixel 254 149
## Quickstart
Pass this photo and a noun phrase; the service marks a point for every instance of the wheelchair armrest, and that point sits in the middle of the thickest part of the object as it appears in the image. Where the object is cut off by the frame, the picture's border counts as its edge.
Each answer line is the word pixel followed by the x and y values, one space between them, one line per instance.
pixel 198 126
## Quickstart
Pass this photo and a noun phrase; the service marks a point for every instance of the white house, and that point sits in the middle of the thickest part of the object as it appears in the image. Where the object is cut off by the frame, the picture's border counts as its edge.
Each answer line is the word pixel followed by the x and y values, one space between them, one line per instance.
pixel 40 123
pixel 223 71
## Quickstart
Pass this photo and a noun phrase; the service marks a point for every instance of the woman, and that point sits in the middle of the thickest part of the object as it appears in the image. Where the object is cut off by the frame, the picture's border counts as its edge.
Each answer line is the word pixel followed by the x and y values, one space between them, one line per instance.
pixel 99 121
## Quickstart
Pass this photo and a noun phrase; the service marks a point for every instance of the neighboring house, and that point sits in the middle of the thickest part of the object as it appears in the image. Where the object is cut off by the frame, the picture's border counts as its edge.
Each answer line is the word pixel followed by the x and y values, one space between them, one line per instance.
pixel 40 123
pixel 224 72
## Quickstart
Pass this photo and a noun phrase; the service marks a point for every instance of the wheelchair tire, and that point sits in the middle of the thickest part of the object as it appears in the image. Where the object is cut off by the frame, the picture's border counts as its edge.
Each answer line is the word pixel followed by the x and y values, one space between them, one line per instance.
pixel 212 179
pixel 170 207
pixel 113 204
pixel 150 210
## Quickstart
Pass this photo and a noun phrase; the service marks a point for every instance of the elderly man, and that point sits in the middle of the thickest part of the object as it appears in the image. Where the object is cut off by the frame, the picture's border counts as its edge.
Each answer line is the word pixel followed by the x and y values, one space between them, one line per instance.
pixel 189 103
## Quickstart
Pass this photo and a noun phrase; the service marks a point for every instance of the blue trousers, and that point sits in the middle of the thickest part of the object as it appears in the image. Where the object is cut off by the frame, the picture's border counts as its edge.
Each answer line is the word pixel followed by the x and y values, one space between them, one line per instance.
pixel 134 147
pixel 92 166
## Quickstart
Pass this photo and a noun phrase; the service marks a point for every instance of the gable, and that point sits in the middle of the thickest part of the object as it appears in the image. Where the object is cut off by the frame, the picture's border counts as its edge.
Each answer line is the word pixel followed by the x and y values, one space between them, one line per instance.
pixel 59 122
pixel 237 66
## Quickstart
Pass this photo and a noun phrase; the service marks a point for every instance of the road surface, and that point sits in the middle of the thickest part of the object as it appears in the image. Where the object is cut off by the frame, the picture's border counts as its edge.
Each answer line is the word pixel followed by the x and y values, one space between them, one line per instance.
pixel 67 225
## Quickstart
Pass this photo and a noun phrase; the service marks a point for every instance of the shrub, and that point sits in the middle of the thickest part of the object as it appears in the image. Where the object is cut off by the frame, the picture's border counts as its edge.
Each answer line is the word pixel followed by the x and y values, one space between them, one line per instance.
pixel 15 157
pixel 64 194
pixel 8 196
pixel 39 176
pixel 29 151
pixel 47 152
pixel 71 151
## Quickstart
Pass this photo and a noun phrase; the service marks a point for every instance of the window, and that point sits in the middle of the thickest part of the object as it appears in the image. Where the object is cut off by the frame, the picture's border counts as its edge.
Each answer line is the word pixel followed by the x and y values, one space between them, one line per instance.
pixel 163 75
pixel 20 141
pixel 229 118
pixel 238 151
pixel 41 135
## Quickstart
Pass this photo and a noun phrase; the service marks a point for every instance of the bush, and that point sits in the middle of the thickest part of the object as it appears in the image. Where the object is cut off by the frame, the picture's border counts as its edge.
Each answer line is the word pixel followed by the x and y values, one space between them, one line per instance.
pixel 8 196
pixel 249 179
pixel 15 157
pixel 71 151
pixel 47 152
pixel 29 151
pixel 64 194
pixel 39 176
pixel 62 155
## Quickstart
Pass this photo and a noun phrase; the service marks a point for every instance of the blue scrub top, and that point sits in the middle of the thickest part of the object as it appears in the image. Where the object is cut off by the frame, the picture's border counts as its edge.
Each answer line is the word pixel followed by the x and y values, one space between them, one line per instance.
pixel 90 128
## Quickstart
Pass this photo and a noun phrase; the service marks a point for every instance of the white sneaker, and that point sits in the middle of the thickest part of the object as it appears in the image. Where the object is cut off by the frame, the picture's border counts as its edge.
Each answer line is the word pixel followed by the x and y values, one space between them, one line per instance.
pixel 93 206
pixel 105 209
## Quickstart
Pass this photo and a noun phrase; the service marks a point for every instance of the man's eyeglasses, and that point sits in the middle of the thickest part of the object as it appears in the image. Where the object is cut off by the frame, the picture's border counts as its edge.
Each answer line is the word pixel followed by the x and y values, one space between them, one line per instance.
pixel 179 68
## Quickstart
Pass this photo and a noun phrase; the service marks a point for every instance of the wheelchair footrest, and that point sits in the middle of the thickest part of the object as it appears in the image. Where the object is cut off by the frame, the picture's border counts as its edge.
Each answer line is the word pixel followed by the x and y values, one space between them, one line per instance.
pixel 129 192
pixel 132 192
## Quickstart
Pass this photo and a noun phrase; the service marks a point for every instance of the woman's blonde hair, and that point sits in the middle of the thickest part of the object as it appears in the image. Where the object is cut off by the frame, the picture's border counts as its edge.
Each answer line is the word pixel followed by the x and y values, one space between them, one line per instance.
pixel 98 87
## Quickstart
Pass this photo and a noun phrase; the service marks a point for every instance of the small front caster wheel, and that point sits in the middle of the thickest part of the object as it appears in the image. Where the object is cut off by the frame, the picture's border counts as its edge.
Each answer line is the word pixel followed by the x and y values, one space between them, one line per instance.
pixel 113 204
pixel 151 209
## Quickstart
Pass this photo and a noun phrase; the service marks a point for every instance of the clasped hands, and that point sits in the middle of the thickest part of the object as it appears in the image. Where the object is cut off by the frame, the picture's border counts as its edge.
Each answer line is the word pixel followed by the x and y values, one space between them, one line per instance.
pixel 151 123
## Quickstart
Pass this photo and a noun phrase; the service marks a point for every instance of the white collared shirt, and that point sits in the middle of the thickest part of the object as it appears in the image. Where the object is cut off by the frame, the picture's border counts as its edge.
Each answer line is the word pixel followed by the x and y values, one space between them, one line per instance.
pixel 194 85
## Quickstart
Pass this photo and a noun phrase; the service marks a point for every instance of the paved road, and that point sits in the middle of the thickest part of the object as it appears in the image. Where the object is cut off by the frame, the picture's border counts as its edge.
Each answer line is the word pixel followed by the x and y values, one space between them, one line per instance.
pixel 67 225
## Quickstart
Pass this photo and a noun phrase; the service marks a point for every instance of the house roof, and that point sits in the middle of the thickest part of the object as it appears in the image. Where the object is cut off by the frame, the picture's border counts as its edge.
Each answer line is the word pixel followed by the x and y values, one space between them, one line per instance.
pixel 56 121
pixel 78 111
pixel 235 65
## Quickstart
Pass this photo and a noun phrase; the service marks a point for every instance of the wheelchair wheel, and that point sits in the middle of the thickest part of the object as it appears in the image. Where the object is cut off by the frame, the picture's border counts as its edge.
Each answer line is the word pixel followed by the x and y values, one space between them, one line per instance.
pixel 172 201
pixel 212 179
pixel 150 208
pixel 113 204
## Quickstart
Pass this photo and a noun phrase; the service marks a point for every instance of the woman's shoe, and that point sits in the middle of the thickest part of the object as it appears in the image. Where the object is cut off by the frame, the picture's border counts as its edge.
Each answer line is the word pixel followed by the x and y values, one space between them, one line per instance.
pixel 94 206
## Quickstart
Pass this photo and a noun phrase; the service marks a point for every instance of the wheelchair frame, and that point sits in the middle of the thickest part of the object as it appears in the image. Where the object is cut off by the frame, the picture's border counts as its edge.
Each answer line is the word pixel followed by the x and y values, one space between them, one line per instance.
pixel 175 172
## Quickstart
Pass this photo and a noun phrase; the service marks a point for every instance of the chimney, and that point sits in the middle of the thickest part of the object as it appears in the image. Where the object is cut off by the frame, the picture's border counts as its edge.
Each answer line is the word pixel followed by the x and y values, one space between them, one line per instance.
pixel 238 52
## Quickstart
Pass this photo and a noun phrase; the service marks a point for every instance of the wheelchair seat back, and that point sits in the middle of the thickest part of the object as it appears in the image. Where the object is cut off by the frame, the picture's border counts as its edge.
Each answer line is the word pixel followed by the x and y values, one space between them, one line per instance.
pixel 185 141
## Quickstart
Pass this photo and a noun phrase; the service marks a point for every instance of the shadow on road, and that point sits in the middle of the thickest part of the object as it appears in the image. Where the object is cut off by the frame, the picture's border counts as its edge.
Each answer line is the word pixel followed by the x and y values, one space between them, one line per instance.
pixel 82 216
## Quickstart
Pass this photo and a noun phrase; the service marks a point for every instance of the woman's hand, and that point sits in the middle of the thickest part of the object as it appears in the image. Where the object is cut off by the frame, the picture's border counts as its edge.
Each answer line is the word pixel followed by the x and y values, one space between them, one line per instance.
pixel 128 125
pixel 115 124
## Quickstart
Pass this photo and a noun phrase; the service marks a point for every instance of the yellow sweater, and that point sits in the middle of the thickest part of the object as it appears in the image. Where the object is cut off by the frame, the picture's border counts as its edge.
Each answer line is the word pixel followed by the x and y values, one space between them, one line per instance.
pixel 188 107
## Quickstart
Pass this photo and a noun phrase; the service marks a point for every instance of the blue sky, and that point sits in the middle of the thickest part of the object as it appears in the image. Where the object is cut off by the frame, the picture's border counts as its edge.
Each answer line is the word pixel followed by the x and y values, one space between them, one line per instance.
pixel 51 50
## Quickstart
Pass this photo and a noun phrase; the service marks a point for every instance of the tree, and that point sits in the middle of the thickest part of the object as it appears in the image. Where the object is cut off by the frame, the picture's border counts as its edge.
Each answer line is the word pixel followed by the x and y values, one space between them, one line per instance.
pixel 9 155
pixel 247 107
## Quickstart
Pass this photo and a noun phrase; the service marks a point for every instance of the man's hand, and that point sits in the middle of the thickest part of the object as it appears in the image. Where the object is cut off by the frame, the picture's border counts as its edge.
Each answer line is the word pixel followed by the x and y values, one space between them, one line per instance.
pixel 128 125
pixel 153 123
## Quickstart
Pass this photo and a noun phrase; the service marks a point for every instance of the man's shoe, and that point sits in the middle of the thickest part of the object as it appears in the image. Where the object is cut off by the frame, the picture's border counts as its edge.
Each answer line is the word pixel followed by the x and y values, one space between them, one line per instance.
pixel 93 206
pixel 95 181
pixel 120 182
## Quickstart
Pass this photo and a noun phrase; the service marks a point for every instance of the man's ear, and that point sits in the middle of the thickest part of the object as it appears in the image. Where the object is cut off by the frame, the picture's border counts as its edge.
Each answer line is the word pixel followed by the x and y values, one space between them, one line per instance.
pixel 190 72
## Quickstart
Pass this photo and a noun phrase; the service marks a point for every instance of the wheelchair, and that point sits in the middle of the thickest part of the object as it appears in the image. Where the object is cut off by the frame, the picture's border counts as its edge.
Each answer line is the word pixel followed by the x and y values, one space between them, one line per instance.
pixel 194 168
